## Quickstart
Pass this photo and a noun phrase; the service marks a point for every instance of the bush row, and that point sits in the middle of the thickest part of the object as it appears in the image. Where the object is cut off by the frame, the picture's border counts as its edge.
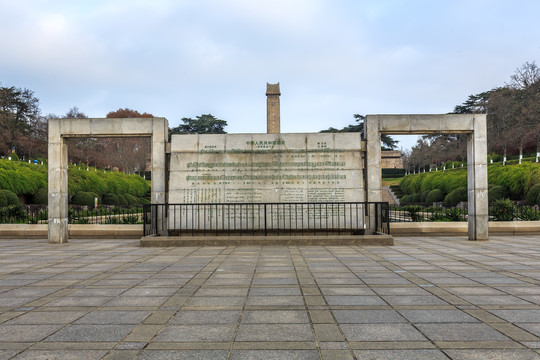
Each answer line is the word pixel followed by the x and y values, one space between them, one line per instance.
pixel 517 182
pixel 30 180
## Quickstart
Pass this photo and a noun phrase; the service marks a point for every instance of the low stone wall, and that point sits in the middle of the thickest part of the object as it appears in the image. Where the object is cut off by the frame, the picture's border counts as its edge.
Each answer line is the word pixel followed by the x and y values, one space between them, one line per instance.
pixel 461 228
pixel 30 231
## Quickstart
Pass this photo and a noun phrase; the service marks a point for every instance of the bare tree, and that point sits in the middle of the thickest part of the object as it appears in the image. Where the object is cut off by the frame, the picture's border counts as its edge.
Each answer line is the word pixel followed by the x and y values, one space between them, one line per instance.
pixel 524 76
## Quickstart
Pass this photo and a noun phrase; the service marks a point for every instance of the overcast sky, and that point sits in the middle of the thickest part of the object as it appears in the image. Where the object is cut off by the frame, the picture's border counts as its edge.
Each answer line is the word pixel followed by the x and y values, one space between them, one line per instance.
pixel 332 58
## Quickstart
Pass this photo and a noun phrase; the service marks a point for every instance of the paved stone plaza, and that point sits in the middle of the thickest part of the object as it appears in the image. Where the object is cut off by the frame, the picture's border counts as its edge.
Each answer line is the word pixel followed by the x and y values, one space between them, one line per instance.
pixel 425 298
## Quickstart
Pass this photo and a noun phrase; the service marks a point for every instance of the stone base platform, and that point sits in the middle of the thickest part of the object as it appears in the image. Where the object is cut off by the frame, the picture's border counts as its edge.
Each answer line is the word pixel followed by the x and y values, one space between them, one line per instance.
pixel 320 240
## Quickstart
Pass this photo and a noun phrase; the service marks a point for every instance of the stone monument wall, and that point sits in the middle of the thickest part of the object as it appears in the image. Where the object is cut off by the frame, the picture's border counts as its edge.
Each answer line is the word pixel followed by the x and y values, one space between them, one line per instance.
pixel 266 168
pixel 261 168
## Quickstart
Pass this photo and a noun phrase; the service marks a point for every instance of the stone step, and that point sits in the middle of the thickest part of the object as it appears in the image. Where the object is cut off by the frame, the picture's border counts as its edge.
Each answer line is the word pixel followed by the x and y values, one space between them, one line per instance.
pixel 321 240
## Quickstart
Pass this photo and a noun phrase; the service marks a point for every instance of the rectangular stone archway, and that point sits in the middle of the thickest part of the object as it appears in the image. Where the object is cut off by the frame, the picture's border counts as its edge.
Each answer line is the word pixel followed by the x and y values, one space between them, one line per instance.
pixel 60 129
pixel 474 125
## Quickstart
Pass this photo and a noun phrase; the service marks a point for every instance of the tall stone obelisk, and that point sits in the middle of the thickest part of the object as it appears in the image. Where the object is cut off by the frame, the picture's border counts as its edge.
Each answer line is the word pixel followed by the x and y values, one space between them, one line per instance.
pixel 272 109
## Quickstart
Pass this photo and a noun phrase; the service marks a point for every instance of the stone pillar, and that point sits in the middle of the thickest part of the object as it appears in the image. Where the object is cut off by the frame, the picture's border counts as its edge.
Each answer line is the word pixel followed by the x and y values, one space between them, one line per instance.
pixel 373 167
pixel 58 184
pixel 160 129
pixel 477 180
pixel 273 125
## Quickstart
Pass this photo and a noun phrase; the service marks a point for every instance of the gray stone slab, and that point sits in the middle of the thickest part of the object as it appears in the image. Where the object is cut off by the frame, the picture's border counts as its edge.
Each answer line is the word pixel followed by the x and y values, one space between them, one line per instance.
pixel 207 317
pixel 26 333
pixel 460 332
pixel 367 316
pixel 61 354
pixel 196 333
pixel 221 291
pixel 113 317
pixel 47 317
pixel 274 300
pixel 437 316
pixel 381 332
pixel 274 354
pixel 344 291
pixel 499 354
pixel 426 354
pixel 275 317
pixel 354 300
pixel 515 315
pixel 183 354
pixel 414 300
pixel 222 301
pixel 495 300
pixel 79 301
pixel 274 291
pixel 91 333
pixel 126 301
pixel 274 332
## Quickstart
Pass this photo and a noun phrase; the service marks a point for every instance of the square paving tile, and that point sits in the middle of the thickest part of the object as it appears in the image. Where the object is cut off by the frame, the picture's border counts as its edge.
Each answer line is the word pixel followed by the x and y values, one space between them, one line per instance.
pixel 114 317
pixel 207 317
pixel 381 332
pixel 274 354
pixel 426 354
pixel 26 333
pixel 274 332
pixel 47 317
pixel 61 354
pixel 196 333
pixel 183 354
pixel 499 354
pixel 354 300
pixel 460 332
pixel 367 316
pixel 437 316
pixel 275 317
pixel 91 333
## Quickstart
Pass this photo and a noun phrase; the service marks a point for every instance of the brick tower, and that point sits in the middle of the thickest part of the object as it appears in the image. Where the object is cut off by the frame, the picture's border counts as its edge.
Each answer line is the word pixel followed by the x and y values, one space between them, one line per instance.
pixel 272 109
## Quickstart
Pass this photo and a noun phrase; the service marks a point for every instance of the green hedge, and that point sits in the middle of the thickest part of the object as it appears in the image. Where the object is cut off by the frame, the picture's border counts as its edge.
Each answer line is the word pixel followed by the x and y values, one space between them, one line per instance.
pixel 533 195
pixel 516 179
pixel 455 197
pixel 84 198
pixel 31 180
pixel 434 195
pixel 8 198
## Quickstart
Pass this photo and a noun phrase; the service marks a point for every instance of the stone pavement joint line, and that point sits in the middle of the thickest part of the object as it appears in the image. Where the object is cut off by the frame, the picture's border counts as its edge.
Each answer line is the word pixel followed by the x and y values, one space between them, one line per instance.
pixel 424 298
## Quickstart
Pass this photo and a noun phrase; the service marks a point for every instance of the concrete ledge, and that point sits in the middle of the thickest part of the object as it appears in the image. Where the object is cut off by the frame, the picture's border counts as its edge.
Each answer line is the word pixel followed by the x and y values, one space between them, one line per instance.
pixel 23 231
pixel 321 240
pixel 32 231
pixel 461 228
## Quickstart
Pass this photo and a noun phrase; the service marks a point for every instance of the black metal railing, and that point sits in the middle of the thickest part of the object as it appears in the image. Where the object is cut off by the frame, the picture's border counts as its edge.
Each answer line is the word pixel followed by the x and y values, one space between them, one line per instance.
pixel 38 214
pixel 417 213
pixel 265 218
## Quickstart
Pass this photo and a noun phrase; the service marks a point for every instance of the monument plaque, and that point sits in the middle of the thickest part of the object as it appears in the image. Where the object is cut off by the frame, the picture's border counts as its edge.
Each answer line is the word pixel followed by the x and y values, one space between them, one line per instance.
pixel 266 168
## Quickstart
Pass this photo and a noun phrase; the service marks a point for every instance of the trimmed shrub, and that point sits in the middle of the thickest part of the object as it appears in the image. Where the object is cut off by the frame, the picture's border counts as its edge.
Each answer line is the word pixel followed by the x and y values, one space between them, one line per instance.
pixel 424 195
pixel 435 195
pixel 132 200
pixel 122 200
pixel 416 198
pixel 495 193
pixel 455 197
pixel 144 201
pixel 8 198
pixel 110 199
pixel 405 200
pixel 84 198
pixel 41 197
pixel 532 195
